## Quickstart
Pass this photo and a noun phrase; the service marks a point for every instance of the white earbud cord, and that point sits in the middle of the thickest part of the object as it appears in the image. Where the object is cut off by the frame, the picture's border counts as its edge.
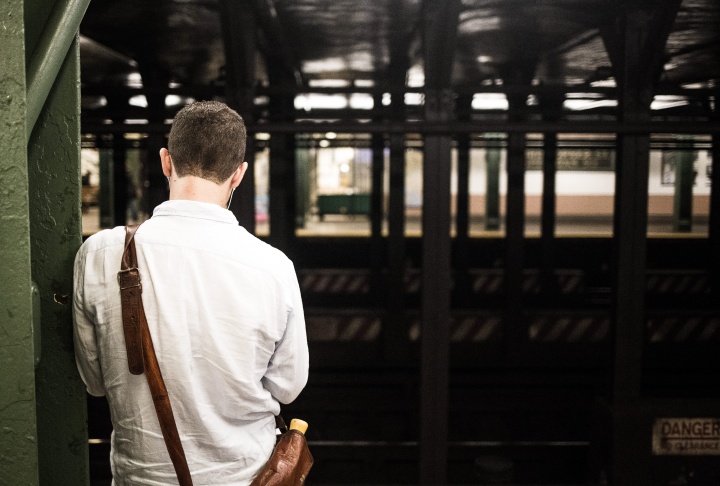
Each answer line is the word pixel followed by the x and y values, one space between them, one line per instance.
pixel 232 191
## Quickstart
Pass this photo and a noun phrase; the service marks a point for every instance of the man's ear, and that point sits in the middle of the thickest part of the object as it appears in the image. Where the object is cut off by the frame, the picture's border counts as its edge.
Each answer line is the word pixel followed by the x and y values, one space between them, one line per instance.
pixel 166 162
pixel 238 175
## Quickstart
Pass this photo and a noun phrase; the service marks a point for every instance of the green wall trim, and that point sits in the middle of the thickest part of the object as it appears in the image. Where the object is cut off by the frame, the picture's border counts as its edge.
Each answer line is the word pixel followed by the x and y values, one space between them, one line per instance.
pixel 18 434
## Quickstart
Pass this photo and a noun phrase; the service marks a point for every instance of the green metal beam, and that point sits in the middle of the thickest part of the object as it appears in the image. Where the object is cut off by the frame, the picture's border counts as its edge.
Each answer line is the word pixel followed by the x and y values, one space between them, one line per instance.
pixel 55 226
pixel 18 433
pixel 683 197
pixel 49 54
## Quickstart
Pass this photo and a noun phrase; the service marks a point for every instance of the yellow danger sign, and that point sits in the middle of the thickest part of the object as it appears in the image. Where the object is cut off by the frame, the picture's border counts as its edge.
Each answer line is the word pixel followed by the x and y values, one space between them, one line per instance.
pixel 686 437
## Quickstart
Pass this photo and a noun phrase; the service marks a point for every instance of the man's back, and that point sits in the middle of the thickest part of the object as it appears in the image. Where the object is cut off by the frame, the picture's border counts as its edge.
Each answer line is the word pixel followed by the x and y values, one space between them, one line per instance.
pixel 226 320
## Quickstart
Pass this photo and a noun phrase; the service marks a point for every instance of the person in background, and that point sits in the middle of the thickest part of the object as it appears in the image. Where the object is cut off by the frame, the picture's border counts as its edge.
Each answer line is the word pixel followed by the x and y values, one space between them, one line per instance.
pixel 223 309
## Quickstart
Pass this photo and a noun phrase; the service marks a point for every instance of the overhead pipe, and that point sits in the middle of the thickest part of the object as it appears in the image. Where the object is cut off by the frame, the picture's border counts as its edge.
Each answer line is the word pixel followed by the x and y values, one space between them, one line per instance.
pixel 49 54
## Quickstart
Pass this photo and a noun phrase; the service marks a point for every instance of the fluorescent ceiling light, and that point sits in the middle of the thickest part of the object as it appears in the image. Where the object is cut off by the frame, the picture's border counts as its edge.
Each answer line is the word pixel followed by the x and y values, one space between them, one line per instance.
pixel 604 83
pixel 361 101
pixel 138 100
pixel 414 98
pixel 328 83
pixel 489 101
pixel 580 105
pixel 662 102
pixel 416 76
pixel 315 101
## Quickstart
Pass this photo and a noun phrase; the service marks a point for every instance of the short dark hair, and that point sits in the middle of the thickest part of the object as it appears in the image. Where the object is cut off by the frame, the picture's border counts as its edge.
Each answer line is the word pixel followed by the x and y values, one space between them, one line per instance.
pixel 207 140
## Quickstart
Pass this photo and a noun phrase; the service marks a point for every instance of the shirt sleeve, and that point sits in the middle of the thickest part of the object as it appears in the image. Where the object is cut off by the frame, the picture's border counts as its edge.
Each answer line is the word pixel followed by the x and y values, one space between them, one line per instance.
pixel 287 371
pixel 86 352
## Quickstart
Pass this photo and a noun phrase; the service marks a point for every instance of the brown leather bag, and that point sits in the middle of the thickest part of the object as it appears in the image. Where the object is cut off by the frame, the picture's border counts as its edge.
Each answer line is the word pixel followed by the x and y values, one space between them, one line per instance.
pixel 290 461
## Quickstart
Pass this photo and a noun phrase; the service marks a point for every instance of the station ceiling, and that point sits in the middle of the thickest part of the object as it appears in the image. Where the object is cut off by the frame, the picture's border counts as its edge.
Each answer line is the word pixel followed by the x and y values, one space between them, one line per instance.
pixel 379 45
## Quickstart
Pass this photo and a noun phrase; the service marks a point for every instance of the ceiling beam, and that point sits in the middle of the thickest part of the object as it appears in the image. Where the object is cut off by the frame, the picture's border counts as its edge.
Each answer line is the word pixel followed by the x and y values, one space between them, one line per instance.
pixel 440 26
pixel 206 91
pixel 651 26
pixel 279 49
pixel 438 128
pixel 573 43
pixel 238 34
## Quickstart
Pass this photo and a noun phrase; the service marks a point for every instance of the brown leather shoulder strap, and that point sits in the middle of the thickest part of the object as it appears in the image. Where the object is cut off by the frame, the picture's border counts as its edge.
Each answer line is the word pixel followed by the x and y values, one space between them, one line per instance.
pixel 130 296
pixel 141 354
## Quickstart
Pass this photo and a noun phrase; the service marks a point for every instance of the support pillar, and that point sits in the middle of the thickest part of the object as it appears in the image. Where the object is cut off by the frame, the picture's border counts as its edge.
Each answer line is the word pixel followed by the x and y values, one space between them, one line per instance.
pixel 714 223
pixel 107 187
pixel 377 287
pixel 18 435
pixel 683 197
pixel 302 171
pixel 435 294
pixel 282 180
pixel 395 326
pixel 119 174
pixel 493 154
pixel 54 161
pixel 239 24
pixel 635 42
pixel 515 333
pixel 395 330
pixel 439 23
pixel 157 188
pixel 462 217
pixel 53 154
pixel 551 103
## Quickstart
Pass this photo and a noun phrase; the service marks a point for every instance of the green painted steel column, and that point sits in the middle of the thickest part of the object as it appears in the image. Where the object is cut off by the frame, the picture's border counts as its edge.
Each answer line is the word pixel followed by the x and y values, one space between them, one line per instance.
pixel 302 171
pixel 53 153
pixel 55 229
pixel 684 181
pixel 49 49
pixel 107 189
pixel 492 190
pixel 18 434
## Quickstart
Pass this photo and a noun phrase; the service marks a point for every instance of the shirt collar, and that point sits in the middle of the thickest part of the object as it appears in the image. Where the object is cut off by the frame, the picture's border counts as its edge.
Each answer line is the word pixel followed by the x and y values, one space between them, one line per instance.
pixel 195 209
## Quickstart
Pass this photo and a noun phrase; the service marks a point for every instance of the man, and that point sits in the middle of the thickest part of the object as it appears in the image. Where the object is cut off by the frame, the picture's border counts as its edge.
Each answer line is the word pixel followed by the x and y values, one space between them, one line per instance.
pixel 223 309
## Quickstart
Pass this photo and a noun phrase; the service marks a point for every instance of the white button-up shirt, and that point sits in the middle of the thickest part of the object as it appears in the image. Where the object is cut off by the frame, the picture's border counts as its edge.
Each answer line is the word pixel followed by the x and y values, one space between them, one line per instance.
pixel 226 319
